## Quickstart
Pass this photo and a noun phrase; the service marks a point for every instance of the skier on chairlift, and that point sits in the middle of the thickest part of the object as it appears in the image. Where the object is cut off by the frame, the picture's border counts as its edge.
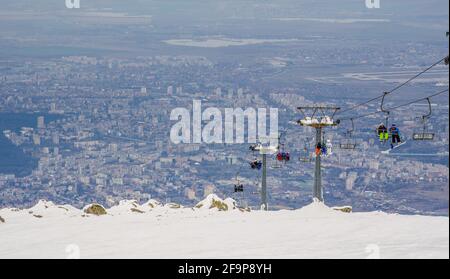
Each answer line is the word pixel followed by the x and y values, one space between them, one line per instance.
pixel 255 164
pixel 383 133
pixel 287 156
pixel 282 156
pixel 253 147
pixel 395 134
pixel 329 147
pixel 324 150
pixel 318 149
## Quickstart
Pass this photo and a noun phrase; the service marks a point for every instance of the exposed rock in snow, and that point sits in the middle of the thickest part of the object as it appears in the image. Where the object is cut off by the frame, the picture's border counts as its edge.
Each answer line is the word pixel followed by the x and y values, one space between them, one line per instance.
pixel 127 206
pixel 231 203
pixel 345 209
pixel 152 204
pixel 46 208
pixel 42 205
pixel 173 205
pixel 95 209
pixel 2 220
pixel 214 202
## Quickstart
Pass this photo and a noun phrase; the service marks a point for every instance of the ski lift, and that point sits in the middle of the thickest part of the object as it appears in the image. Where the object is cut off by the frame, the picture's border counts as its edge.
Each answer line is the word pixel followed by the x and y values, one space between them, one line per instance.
pixel 324 147
pixel 329 146
pixel 397 139
pixel 387 112
pixel 386 121
pixel 305 156
pixel 253 148
pixel 257 186
pixel 239 188
pixel 279 159
pixel 277 164
pixel 424 135
pixel 319 149
pixel 348 143
pixel 256 164
pixel 447 59
pixel 282 156
pixel 382 132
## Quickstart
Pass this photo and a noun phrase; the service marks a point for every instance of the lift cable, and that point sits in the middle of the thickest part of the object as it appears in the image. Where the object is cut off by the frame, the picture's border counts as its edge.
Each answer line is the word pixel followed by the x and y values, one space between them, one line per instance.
pixel 395 88
pixel 383 110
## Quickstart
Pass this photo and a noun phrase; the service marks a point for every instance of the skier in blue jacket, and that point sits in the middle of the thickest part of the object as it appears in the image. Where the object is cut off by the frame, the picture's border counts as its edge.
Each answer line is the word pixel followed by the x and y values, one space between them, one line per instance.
pixel 395 135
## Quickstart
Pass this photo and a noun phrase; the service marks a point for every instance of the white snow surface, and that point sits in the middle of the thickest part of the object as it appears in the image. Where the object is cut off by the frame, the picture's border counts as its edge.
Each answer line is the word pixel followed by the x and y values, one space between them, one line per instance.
pixel 311 121
pixel 158 231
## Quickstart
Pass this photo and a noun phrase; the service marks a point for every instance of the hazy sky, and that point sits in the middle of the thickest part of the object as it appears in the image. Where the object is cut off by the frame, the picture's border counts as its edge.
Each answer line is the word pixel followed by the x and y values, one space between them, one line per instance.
pixel 115 22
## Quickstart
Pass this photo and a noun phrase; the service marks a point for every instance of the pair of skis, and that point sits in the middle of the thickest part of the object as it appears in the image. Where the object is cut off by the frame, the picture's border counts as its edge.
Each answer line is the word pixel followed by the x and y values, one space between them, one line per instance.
pixel 393 147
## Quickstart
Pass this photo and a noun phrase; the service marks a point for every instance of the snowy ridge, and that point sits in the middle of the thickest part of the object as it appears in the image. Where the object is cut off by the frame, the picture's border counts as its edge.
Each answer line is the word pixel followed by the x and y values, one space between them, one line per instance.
pixel 128 206
pixel 49 209
pixel 317 209
pixel 155 230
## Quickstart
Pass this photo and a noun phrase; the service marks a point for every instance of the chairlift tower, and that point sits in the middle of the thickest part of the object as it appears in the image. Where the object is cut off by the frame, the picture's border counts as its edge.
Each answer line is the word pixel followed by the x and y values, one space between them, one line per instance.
pixel 264 151
pixel 319 118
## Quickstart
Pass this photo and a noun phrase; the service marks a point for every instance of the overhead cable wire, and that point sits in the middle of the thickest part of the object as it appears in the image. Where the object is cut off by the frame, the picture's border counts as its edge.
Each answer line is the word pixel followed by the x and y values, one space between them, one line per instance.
pixel 396 107
pixel 395 88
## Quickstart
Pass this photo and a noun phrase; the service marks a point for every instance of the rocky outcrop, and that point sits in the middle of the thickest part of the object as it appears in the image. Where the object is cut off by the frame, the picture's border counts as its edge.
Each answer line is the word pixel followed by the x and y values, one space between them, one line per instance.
pixel 345 209
pixel 173 205
pixel 152 204
pixel 95 209
pixel 214 202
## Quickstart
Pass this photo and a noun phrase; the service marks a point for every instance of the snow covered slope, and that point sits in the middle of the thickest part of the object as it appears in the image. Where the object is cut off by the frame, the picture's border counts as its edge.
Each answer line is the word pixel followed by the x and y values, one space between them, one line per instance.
pixel 153 230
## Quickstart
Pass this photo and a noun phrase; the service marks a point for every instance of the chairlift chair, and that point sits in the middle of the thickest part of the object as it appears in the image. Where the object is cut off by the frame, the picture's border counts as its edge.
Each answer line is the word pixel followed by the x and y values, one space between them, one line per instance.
pixel 277 161
pixel 282 156
pixel 424 135
pixel 306 155
pixel 238 188
pixel 385 137
pixel 256 165
pixel 348 143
